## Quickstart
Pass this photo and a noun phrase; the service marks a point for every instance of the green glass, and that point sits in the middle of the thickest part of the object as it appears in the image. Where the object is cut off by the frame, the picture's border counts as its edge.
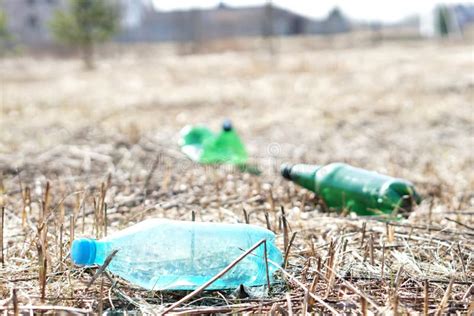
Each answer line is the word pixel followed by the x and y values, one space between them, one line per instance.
pixel 200 144
pixel 343 187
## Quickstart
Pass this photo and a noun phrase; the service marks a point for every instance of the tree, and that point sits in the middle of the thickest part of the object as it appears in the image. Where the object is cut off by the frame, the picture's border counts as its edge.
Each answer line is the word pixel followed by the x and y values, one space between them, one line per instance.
pixel 443 21
pixel 267 30
pixel 86 23
pixel 5 36
pixel 3 26
pixel 336 22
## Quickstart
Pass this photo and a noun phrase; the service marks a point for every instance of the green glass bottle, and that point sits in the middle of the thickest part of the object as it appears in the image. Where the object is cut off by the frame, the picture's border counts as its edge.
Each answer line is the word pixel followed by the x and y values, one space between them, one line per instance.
pixel 203 146
pixel 343 187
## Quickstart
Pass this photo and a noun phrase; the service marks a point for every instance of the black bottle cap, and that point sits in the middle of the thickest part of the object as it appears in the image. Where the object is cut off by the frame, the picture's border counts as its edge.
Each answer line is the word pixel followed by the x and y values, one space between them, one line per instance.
pixel 285 170
pixel 227 125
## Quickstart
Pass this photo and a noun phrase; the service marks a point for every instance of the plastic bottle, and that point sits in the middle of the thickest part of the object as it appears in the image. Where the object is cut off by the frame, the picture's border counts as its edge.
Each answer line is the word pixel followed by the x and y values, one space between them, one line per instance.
pixel 203 146
pixel 160 254
pixel 345 187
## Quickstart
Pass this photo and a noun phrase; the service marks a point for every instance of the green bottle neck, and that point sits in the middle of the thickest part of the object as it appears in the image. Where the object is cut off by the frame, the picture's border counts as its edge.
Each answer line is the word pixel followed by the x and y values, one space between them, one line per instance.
pixel 301 174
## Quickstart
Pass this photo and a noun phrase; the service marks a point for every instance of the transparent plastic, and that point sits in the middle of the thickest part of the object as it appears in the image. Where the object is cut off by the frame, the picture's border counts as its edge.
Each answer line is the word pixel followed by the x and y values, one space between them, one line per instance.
pixel 160 254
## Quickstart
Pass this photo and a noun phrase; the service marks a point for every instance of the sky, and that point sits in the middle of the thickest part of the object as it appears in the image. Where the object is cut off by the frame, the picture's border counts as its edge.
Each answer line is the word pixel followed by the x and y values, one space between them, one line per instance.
pixel 364 10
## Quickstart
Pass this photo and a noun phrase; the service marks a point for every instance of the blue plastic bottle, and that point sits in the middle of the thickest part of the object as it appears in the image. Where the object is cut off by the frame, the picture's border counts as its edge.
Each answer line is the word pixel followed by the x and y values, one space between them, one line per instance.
pixel 160 254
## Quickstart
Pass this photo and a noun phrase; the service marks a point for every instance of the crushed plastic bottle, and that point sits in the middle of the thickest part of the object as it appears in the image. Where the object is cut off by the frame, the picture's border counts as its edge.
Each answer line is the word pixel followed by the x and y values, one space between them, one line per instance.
pixel 161 254
pixel 360 191
pixel 200 144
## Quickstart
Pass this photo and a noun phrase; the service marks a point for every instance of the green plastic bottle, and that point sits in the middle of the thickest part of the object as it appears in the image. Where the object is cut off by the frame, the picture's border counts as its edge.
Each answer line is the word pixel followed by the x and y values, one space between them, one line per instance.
pixel 343 187
pixel 200 144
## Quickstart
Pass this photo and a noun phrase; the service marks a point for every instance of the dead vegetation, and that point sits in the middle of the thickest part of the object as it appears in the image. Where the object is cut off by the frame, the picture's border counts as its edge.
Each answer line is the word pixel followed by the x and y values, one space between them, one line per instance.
pixel 88 153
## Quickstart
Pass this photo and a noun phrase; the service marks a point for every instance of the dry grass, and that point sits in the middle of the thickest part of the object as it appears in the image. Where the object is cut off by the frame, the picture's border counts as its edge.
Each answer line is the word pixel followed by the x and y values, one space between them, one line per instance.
pixel 88 153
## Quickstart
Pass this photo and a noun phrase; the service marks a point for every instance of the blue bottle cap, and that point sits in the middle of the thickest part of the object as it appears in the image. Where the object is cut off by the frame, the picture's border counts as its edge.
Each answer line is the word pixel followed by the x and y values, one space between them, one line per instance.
pixel 227 125
pixel 83 251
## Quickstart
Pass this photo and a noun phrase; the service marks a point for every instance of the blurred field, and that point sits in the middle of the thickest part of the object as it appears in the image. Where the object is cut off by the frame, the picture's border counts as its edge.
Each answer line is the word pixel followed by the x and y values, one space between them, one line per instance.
pixel 405 109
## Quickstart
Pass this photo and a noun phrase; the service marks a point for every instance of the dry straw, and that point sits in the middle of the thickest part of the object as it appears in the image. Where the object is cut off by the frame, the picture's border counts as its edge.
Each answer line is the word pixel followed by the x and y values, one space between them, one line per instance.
pixel 88 154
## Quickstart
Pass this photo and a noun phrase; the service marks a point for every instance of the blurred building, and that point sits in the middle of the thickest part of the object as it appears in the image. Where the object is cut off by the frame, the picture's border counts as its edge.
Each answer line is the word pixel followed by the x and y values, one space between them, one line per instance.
pixel 28 20
pixel 224 22
pixel 446 20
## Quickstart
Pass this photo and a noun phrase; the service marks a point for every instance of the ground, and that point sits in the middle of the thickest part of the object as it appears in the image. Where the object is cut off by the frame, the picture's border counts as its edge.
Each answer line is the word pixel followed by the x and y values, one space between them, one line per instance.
pixel 110 135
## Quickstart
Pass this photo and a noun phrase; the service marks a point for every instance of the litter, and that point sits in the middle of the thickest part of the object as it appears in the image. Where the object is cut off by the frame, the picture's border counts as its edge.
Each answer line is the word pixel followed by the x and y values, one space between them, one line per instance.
pixel 343 187
pixel 201 145
pixel 161 254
